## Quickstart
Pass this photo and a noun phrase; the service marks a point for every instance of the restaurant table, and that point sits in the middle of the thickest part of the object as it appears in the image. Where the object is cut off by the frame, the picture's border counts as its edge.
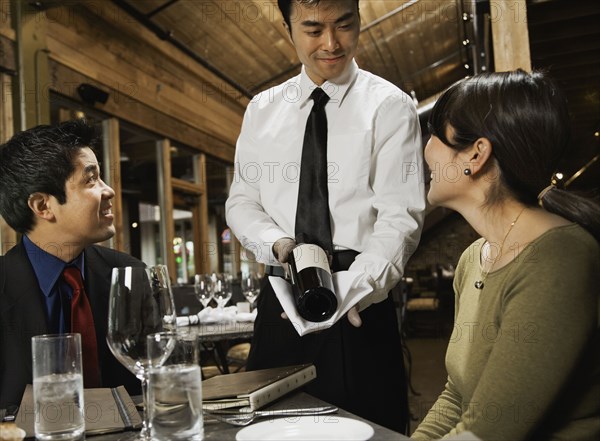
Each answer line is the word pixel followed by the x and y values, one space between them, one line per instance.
pixel 220 334
pixel 219 331
pixel 219 431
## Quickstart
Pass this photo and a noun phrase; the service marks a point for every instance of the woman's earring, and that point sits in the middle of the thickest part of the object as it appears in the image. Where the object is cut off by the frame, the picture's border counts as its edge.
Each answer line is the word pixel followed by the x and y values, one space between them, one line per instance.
pixel 467 171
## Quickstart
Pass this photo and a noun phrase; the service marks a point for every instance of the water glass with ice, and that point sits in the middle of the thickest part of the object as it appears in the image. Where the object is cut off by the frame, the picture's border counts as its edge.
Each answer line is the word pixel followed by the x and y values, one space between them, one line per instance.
pixel 58 387
pixel 175 387
pixel 175 397
pixel 181 346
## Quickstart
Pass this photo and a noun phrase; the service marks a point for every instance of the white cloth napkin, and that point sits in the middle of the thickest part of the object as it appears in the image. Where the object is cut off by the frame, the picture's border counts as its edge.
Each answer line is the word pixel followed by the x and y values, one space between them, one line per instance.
pixel 215 315
pixel 350 287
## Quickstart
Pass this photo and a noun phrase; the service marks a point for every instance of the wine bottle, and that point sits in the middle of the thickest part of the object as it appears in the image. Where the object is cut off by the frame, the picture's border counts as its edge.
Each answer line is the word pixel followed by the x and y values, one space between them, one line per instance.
pixel 312 284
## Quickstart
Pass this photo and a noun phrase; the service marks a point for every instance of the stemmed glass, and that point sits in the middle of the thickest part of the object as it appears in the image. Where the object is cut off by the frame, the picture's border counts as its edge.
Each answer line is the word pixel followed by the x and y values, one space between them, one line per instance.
pixel 222 290
pixel 203 286
pixel 140 303
pixel 251 288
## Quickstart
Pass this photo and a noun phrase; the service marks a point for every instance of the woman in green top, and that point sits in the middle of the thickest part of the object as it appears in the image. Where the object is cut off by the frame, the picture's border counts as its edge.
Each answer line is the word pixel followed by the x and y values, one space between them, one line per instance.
pixel 523 359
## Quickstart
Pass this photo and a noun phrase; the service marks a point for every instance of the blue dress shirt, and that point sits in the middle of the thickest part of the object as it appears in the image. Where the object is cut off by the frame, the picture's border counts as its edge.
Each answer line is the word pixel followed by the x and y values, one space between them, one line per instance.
pixel 57 293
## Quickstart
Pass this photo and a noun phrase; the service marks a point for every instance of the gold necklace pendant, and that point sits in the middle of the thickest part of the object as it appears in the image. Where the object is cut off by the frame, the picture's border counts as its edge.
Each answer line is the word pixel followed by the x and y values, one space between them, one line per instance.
pixel 479 284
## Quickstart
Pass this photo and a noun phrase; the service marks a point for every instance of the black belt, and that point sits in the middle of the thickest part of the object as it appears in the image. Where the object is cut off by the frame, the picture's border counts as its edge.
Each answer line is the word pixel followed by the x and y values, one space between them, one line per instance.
pixel 341 262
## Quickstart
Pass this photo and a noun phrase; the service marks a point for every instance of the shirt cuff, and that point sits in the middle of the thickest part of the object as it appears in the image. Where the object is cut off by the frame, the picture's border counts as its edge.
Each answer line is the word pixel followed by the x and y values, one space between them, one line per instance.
pixel 383 276
pixel 376 296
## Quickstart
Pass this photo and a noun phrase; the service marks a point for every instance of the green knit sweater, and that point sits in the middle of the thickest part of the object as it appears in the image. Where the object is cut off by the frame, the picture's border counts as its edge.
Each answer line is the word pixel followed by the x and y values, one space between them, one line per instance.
pixel 523 360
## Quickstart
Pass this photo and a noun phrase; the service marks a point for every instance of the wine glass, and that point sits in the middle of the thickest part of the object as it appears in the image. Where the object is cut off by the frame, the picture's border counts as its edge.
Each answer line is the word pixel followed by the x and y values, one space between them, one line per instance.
pixel 203 286
pixel 222 290
pixel 140 303
pixel 251 288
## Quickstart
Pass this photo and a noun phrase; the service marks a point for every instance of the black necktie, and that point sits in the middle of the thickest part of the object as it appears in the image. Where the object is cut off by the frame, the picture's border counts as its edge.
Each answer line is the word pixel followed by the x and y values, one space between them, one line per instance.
pixel 312 212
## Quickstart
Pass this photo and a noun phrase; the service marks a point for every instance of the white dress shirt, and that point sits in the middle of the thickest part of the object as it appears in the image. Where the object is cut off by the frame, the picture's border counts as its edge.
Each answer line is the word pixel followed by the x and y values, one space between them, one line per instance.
pixel 375 172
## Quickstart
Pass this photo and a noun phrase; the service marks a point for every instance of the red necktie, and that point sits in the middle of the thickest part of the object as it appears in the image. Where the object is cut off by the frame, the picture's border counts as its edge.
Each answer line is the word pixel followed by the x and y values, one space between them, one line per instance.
pixel 82 322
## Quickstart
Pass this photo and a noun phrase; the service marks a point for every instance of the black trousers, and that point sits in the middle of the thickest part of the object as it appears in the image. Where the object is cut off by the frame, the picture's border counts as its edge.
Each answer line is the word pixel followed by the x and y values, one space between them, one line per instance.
pixel 358 369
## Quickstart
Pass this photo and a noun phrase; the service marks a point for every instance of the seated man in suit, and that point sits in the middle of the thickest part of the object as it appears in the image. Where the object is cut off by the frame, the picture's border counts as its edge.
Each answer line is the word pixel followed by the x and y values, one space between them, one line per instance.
pixel 51 192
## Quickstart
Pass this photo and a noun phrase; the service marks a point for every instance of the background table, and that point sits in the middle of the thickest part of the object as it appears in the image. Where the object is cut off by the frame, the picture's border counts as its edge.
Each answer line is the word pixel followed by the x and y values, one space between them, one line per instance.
pixel 221 331
pixel 219 337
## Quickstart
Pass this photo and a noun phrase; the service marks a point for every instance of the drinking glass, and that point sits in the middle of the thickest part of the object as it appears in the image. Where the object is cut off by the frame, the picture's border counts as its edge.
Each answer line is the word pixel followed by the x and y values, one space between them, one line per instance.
pixel 175 399
pixel 173 347
pixel 57 387
pixel 251 288
pixel 222 290
pixel 203 286
pixel 175 387
pixel 140 303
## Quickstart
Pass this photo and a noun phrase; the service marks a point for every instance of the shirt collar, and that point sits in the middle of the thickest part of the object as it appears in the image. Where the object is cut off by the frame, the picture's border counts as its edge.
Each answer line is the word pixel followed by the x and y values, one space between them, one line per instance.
pixel 47 267
pixel 336 88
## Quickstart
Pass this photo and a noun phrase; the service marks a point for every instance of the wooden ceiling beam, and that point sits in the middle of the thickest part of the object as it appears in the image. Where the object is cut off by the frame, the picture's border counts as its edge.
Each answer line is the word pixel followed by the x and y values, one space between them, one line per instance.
pixel 510 35
pixel 164 35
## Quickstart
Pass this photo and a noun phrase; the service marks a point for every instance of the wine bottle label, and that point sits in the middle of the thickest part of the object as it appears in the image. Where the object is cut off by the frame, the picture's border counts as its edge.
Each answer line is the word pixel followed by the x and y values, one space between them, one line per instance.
pixel 310 255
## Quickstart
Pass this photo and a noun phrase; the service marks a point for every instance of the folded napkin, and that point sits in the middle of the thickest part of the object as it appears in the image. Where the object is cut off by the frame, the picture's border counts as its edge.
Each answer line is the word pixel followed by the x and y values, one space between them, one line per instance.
pixel 350 287
pixel 215 315
pixel 106 410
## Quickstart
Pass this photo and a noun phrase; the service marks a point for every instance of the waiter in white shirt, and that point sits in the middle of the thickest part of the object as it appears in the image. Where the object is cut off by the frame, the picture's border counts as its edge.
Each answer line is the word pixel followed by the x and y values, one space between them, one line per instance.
pixel 375 196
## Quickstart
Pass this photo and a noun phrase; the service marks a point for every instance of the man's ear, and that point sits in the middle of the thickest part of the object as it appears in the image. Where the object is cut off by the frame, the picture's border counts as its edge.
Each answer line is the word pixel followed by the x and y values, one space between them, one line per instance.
pixel 289 31
pixel 41 205
pixel 479 155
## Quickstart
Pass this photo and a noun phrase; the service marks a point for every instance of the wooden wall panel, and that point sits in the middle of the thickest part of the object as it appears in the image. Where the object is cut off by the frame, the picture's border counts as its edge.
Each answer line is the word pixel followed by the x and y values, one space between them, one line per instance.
pixel 196 106
pixel 65 81
pixel 117 52
pixel 5 25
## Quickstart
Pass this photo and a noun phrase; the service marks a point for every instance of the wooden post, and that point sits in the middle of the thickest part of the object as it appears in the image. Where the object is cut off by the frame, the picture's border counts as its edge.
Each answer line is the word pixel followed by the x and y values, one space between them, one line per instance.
pixel 31 103
pixel 165 202
pixel 201 245
pixel 8 236
pixel 236 247
pixel 112 176
pixel 510 35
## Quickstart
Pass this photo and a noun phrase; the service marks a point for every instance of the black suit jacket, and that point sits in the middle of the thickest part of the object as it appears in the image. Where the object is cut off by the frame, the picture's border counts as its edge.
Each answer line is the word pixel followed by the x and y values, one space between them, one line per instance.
pixel 23 315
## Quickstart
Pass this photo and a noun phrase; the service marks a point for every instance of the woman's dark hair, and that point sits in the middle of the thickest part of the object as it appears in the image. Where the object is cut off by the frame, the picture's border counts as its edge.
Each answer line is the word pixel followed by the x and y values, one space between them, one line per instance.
pixel 525 117
pixel 285 6
pixel 39 160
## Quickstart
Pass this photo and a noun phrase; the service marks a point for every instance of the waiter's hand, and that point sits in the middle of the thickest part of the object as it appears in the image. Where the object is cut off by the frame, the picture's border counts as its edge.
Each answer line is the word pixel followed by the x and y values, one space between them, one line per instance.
pixel 282 249
pixel 354 317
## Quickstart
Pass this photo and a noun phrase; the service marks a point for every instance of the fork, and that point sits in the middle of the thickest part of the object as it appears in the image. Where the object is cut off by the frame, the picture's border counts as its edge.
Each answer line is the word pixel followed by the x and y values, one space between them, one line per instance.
pixel 245 418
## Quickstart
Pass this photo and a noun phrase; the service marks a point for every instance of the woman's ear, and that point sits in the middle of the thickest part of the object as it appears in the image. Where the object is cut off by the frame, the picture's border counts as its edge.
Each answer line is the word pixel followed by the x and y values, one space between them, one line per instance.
pixel 478 155
pixel 39 203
